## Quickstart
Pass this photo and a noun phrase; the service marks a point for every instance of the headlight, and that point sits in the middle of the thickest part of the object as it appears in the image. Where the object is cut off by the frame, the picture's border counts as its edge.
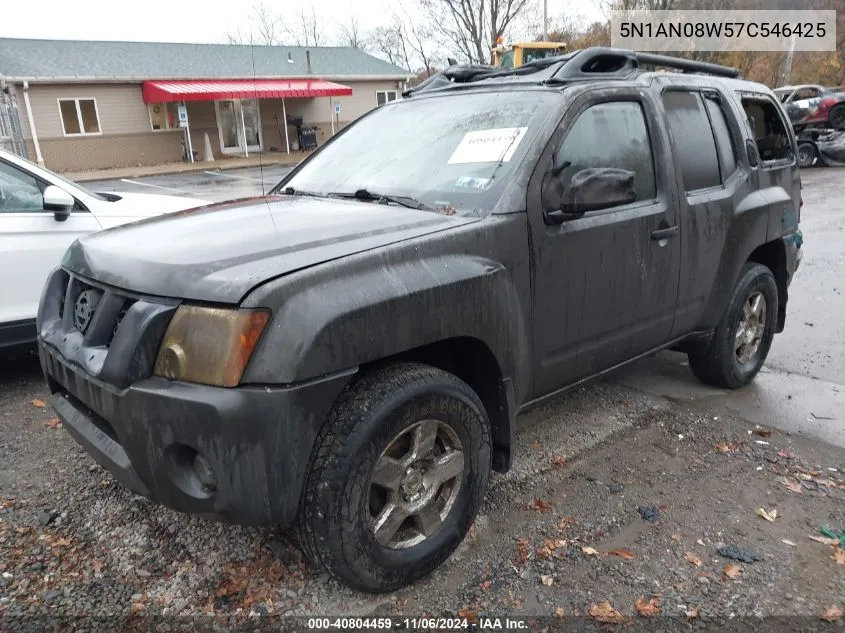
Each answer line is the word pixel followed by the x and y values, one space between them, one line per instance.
pixel 211 346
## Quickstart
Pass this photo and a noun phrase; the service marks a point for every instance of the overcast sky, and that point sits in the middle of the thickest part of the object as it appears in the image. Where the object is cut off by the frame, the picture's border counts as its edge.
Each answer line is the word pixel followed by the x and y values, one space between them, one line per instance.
pixel 187 20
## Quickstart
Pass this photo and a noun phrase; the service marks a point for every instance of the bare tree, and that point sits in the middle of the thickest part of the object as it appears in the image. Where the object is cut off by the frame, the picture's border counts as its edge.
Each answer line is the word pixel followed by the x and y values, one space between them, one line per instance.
pixel 308 30
pixel 265 28
pixel 472 27
pixel 389 41
pixel 352 35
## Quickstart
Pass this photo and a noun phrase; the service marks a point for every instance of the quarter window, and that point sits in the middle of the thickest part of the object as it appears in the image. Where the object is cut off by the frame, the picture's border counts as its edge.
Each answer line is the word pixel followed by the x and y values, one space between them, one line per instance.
pixel 384 96
pixel 695 147
pixel 612 134
pixel 18 191
pixel 79 116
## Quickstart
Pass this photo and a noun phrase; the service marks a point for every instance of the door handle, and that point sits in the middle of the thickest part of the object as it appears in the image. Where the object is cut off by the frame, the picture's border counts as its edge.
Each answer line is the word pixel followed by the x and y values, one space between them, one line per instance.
pixel 662 234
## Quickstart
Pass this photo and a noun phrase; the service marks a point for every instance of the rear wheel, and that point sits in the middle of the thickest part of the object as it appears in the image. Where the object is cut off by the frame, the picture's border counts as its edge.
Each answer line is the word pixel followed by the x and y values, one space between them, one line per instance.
pixel 396 478
pixel 744 335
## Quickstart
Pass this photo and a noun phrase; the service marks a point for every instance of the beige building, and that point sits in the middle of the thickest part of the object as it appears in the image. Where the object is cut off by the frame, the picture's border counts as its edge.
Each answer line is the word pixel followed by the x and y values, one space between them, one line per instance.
pixel 93 105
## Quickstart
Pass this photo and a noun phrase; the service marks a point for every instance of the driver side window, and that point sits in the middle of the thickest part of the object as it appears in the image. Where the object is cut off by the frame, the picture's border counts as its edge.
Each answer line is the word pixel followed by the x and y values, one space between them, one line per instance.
pixel 19 192
pixel 611 135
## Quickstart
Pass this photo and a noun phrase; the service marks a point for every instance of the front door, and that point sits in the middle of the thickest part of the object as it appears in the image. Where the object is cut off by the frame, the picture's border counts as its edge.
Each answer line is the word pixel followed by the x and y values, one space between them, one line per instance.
pixel 606 284
pixel 239 125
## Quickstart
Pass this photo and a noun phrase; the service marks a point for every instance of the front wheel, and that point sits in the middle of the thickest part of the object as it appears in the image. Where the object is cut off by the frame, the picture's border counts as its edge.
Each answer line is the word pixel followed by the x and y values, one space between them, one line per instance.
pixel 836 119
pixel 744 335
pixel 396 478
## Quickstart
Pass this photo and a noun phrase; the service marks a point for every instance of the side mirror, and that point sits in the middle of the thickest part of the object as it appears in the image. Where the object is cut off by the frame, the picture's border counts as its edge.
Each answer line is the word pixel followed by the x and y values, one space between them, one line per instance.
pixel 593 189
pixel 751 150
pixel 59 201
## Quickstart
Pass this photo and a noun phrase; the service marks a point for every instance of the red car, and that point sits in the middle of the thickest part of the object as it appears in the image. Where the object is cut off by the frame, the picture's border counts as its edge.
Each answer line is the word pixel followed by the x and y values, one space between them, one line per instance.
pixel 813 106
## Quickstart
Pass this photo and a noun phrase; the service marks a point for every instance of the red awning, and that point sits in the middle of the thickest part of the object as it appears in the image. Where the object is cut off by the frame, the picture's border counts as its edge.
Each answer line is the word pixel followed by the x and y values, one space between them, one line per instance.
pixel 157 91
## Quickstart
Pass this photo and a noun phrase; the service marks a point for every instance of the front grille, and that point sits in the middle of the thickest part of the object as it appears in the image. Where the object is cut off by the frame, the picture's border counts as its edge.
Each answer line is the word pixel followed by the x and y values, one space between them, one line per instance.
pixel 110 334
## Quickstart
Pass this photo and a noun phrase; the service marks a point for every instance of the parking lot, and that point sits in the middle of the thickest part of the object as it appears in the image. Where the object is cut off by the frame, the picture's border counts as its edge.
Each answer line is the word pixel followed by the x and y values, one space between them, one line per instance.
pixel 565 530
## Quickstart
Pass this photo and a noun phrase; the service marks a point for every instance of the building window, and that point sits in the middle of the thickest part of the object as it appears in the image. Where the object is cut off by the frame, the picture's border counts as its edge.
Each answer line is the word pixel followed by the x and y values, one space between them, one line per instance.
pixel 383 96
pixel 163 116
pixel 79 116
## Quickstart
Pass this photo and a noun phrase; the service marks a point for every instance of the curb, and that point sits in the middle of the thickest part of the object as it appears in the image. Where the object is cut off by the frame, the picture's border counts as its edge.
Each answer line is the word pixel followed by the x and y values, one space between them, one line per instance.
pixel 90 177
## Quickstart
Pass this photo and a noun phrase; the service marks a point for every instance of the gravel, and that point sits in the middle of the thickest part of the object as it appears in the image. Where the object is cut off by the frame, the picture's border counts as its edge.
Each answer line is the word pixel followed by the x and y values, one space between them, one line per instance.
pixel 76 543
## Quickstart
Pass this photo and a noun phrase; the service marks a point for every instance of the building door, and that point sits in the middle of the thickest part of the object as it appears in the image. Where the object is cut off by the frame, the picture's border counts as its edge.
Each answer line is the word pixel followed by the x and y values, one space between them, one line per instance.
pixel 239 125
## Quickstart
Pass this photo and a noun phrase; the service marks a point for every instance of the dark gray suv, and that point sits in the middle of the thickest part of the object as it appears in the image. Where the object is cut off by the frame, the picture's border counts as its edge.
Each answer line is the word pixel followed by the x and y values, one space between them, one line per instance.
pixel 348 354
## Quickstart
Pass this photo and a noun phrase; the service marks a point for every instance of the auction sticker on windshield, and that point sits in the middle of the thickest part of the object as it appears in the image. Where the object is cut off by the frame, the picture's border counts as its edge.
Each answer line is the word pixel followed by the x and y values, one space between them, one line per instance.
pixel 488 146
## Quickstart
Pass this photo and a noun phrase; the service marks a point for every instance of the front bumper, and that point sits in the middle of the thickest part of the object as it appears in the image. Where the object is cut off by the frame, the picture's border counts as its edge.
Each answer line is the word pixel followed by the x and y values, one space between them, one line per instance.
pixel 237 454
pixel 256 441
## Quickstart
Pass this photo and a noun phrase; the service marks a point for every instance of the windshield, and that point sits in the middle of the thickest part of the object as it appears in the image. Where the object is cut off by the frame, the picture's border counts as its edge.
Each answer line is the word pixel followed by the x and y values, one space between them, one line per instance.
pixel 38 170
pixel 533 54
pixel 452 153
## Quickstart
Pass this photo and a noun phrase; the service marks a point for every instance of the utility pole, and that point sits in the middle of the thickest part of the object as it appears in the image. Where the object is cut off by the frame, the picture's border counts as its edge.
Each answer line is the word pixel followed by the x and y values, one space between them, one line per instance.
pixel 787 66
pixel 545 20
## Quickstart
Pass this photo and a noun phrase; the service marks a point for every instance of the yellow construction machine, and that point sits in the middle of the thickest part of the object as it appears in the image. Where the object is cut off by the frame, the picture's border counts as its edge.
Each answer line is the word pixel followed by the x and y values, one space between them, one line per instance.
pixel 518 54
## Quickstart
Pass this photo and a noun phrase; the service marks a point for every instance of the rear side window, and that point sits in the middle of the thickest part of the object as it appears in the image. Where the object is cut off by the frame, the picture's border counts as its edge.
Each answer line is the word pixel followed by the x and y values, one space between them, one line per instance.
pixel 612 134
pixel 724 141
pixel 693 140
pixel 767 125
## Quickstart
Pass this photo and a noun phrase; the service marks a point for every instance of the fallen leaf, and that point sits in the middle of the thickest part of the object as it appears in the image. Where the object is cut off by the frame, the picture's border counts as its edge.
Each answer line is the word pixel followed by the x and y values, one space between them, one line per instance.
pixel 838 556
pixel 693 613
pixel 539 505
pixel 622 553
pixel 558 461
pixel 693 559
pixel 832 614
pixel 61 542
pixel 824 539
pixel 536 446
pixel 565 522
pixel 785 453
pixel 98 565
pixel 39 403
pixel 559 613
pixel 547 580
pixel 486 584
pixel 762 432
pixel 676 537
pixel 8 503
pixel 786 541
pixel 468 614
pixel 605 613
pixel 589 551
pixel 769 516
pixel 734 572
pixel 727 447
pixel 24 529
pixel 647 608
pixel 522 549
pixel 53 423
pixel 793 486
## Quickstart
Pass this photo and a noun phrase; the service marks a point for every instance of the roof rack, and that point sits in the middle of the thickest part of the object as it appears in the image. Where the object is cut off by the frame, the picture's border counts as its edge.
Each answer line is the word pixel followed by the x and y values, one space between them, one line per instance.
pixel 591 63
pixel 581 65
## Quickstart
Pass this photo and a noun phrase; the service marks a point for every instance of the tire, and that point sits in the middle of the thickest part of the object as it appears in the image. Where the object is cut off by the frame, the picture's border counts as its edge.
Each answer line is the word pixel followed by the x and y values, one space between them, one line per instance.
pixel 836 118
pixel 722 363
pixel 376 418
pixel 806 154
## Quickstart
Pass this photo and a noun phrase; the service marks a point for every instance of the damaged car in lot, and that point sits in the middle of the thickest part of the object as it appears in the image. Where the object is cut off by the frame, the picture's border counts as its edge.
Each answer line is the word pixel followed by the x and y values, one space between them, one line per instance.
pixel 348 355
pixel 813 106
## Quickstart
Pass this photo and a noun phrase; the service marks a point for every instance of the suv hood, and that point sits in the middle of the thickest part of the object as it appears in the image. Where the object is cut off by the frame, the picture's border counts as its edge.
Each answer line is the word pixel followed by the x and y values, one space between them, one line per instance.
pixel 220 252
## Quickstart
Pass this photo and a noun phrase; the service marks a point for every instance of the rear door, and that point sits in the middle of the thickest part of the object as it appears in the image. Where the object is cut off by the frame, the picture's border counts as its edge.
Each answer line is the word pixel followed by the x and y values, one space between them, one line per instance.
pixel 32 243
pixel 705 141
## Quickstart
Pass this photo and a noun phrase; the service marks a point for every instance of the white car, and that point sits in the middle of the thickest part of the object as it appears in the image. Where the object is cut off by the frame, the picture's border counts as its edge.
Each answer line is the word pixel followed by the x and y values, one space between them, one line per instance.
pixel 41 214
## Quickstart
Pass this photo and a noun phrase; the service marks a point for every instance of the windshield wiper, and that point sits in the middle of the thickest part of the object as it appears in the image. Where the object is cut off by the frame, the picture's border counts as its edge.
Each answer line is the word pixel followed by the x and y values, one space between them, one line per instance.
pixel 290 191
pixel 383 198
